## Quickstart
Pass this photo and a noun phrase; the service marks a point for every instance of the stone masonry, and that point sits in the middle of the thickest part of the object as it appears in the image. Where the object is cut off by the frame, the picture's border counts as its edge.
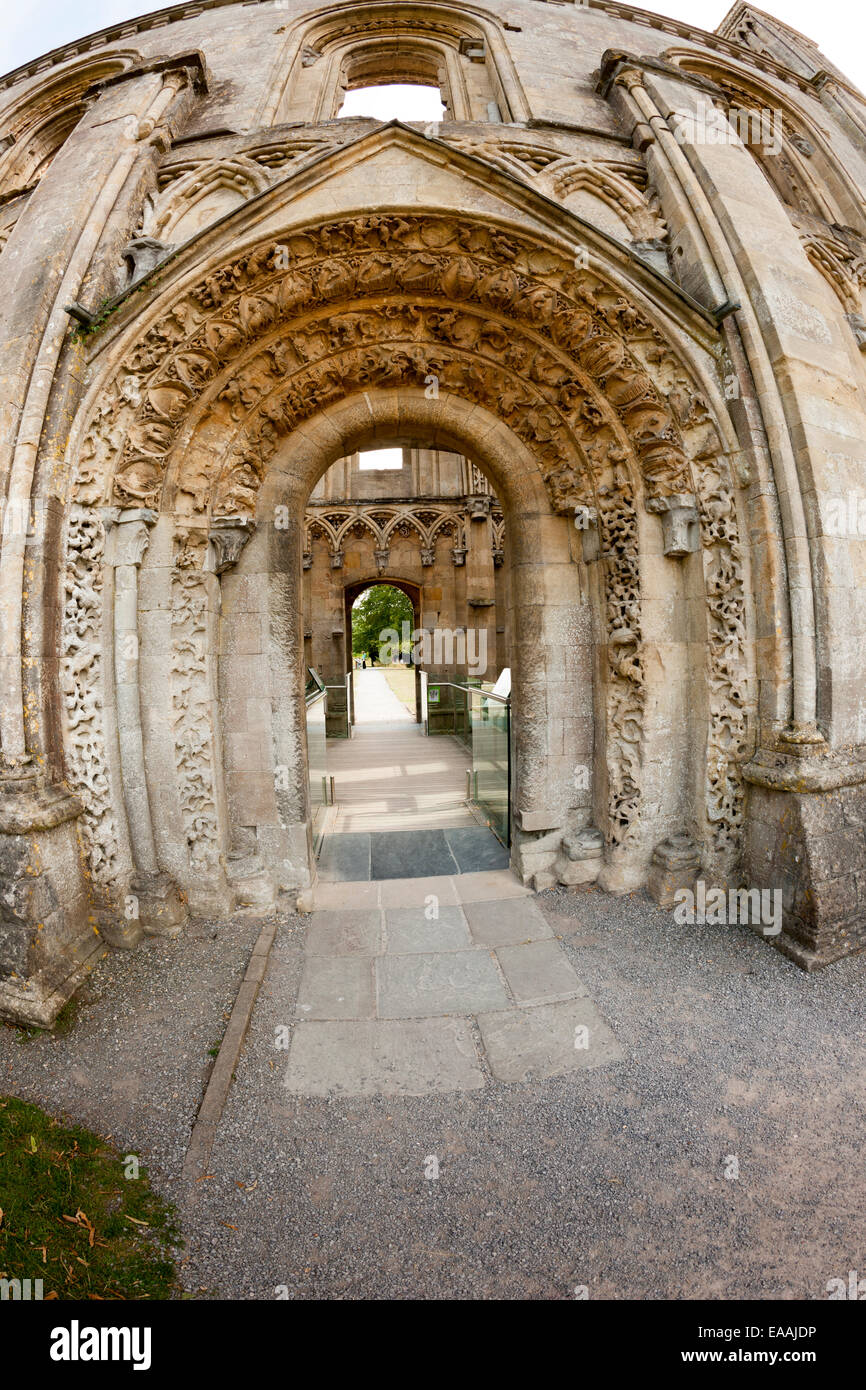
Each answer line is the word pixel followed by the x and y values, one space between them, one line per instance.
pixel 611 308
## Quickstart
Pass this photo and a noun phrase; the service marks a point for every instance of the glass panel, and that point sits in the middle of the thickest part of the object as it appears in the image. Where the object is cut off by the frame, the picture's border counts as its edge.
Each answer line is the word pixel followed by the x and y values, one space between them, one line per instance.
pixel 489 721
pixel 317 756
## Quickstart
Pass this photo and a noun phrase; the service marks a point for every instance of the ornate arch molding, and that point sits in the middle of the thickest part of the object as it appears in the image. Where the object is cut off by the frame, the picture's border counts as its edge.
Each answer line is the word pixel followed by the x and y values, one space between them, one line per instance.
pixel 803 136
pixel 190 417
pixel 33 127
pixel 326 40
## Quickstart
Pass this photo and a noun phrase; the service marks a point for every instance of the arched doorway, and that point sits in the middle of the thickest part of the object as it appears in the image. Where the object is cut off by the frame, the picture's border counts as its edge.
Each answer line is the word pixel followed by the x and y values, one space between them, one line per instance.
pixel 401 620
pixel 484 341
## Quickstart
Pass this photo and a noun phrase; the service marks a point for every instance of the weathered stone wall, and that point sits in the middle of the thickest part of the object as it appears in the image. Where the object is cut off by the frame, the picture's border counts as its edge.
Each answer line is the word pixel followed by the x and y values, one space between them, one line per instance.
pixel 625 277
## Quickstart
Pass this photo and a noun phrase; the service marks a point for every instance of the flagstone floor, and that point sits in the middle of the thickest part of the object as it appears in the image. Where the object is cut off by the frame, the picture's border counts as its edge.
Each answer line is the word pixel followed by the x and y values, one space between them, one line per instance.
pixel 436 984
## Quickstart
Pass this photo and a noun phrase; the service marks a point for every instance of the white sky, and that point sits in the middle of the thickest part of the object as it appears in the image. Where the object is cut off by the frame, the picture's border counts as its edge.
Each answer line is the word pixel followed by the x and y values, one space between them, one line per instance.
pixel 378 459
pixel 837 26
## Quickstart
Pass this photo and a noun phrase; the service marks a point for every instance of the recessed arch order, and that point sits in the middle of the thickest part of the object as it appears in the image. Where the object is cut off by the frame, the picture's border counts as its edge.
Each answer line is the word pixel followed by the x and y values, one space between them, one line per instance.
pixel 237 387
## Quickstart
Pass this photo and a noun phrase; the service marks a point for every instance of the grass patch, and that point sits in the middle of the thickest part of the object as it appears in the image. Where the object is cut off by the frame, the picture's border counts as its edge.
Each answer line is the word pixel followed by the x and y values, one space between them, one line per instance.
pixel 402 682
pixel 73 1219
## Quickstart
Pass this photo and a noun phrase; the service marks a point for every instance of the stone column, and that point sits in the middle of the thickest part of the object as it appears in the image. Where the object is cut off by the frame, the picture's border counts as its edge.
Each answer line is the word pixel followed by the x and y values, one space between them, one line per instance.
pixel 161 909
pixel 480 590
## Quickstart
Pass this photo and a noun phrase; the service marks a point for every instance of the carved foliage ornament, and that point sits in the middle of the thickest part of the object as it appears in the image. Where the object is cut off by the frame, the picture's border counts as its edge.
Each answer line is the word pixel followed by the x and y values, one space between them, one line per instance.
pixel 567 337
pixel 564 358
pixel 81 677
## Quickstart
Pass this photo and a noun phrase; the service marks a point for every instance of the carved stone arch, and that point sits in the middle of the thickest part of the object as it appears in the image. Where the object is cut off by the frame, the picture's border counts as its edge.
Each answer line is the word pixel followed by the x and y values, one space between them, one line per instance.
pixel 318 527
pixel 358 523
pixel 840 256
pixel 626 201
pixel 342 313
pixel 201 194
pixel 318 50
pixel 825 190
pixel 449 525
pixel 523 161
pixel 40 121
pixel 405 518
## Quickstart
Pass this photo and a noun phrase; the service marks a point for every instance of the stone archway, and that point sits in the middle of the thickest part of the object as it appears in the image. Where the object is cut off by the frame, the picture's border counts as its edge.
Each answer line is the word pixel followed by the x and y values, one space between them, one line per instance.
pixel 343 333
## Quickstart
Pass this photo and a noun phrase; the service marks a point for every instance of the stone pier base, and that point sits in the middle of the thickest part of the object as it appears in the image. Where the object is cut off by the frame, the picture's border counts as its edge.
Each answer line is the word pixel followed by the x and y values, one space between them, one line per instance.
pixel 49 940
pixel 806 835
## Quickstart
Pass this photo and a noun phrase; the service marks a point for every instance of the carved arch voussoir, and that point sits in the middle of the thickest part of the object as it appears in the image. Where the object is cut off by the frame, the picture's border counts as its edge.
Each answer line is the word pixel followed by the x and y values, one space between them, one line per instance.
pixel 569 363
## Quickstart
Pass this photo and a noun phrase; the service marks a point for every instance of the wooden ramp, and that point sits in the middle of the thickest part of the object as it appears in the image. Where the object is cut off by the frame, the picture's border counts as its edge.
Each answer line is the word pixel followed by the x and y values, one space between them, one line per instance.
pixel 389 776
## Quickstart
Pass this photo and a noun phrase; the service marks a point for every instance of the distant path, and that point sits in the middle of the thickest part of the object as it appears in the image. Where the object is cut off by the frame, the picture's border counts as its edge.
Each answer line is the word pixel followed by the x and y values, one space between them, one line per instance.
pixel 375 701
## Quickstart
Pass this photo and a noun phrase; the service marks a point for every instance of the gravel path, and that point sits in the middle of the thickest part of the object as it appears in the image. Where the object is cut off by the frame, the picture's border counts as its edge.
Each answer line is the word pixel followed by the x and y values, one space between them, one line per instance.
pixel 612 1179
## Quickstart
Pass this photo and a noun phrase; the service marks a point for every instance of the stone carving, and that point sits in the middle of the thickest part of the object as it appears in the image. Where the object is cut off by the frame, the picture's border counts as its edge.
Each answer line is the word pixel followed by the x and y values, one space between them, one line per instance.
pixel 728 742
pixel 839 254
pixel 228 536
pixel 191 704
pixel 142 255
pixel 565 359
pixel 211 186
pixel 544 396
pixel 680 533
pixel 423 522
pixel 82 675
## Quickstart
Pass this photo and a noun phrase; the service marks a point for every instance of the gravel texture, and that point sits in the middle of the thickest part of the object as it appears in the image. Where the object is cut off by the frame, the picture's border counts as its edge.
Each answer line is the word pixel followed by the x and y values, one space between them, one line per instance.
pixel 612 1178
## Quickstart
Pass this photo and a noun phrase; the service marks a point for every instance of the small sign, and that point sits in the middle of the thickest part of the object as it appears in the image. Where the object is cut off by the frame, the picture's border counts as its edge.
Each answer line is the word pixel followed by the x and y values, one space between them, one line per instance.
pixel 432 694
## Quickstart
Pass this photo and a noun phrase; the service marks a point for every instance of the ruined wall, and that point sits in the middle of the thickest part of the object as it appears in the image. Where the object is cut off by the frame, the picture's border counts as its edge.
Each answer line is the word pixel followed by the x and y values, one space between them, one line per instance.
pixel 625 276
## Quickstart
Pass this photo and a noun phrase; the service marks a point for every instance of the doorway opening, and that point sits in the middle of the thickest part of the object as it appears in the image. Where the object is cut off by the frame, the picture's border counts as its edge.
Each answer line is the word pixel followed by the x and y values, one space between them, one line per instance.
pixel 405 608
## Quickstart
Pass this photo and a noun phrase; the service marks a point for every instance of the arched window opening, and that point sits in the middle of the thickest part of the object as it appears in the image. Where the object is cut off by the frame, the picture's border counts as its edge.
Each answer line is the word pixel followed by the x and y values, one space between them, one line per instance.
pixel 398 80
pixel 395 101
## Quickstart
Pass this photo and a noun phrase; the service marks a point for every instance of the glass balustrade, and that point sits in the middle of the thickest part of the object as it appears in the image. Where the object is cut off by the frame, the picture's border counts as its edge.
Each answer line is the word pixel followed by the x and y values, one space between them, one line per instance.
pixel 479 717
pixel 317 757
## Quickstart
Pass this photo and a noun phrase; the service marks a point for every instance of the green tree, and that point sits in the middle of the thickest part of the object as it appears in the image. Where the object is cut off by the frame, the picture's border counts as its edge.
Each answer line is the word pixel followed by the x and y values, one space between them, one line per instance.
pixel 379 608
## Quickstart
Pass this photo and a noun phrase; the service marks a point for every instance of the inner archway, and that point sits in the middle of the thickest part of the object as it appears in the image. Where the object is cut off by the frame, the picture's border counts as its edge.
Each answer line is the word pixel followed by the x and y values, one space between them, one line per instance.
pixel 405 610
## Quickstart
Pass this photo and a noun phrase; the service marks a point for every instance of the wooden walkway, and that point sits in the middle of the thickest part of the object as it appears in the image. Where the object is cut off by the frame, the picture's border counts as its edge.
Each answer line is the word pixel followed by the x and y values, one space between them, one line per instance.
pixel 389 776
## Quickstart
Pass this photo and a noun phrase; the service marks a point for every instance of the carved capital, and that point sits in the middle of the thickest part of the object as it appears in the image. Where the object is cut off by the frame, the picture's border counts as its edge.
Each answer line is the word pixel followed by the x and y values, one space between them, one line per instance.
pixel 383 558
pixel 458 554
pixel 586 522
pixel 478 507
pixel 228 535
pixel 428 555
pixel 681 534
pixel 129 534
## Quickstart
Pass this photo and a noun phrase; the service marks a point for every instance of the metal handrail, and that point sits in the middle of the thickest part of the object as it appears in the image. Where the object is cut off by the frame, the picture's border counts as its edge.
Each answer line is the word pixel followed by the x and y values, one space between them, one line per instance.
pixel 474 689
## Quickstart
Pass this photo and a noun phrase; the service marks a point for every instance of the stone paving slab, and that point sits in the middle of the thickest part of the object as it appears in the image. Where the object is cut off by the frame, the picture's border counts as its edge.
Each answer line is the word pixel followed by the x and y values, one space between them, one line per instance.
pixel 345 858
pixel 493 884
pixel 414 892
pixel 335 896
pixel 411 1057
pixel 344 933
pixel 409 930
pixel 506 923
pixel 337 987
pixel 525 1044
pixel 538 972
pixel 447 982
pixel 476 849
pixel 410 854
